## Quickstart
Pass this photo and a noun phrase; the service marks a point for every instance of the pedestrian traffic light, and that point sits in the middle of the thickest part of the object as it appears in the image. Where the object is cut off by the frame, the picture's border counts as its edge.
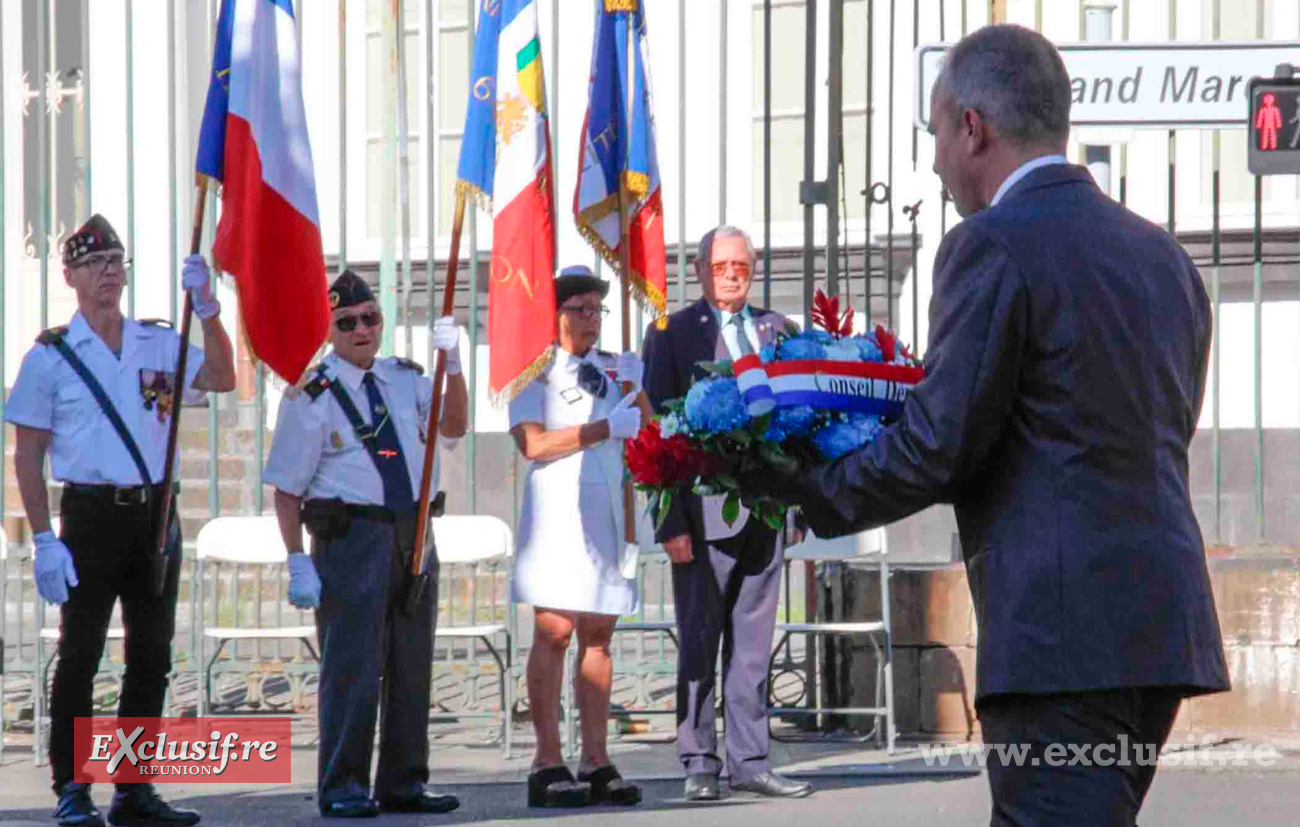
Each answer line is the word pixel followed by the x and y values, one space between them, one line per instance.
pixel 1274 126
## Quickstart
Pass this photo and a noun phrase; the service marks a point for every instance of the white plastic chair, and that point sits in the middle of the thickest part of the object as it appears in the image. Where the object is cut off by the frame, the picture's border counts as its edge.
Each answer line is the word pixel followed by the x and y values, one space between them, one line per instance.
pixel 868 546
pixel 251 540
pixel 474 540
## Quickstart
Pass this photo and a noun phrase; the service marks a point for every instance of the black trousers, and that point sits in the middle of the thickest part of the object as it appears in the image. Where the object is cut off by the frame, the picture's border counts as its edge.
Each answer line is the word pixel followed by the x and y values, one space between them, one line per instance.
pixel 376 662
pixel 111 546
pixel 1056 781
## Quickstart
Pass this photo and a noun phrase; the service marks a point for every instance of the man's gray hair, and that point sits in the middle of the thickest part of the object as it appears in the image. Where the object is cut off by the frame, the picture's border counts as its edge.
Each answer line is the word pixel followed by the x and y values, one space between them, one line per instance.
pixel 1015 78
pixel 704 253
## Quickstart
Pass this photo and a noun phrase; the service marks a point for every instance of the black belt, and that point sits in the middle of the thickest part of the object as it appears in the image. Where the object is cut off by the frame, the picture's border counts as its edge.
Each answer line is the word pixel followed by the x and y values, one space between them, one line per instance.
pixel 136 495
pixel 379 514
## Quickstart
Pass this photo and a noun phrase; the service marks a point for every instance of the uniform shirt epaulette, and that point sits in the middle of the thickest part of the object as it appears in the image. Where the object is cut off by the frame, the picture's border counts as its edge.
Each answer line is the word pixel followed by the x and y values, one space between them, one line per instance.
pixel 409 364
pixel 49 337
pixel 157 323
pixel 318 383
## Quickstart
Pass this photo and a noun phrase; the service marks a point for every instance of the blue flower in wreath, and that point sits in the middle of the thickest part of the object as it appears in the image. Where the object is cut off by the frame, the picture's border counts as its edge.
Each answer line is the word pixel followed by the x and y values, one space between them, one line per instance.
pixel 868 350
pixel 801 348
pixel 767 353
pixel 714 406
pixel 846 435
pixel 817 335
pixel 788 422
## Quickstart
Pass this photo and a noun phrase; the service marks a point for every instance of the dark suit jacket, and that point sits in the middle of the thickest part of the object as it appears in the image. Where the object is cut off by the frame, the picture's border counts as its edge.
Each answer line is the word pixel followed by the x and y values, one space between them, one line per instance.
pixel 1069 340
pixel 671 358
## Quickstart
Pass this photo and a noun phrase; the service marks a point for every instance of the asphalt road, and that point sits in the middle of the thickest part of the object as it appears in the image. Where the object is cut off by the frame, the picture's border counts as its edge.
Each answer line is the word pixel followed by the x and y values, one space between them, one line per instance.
pixel 1179 797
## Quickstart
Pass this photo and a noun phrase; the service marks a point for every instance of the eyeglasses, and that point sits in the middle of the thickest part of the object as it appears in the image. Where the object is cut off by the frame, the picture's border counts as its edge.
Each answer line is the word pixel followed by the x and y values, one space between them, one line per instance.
pixel 347 324
pixel 98 265
pixel 738 267
pixel 586 312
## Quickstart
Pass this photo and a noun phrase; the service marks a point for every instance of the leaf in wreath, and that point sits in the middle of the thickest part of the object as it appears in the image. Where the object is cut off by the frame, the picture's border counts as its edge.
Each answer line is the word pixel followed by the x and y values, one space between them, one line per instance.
pixel 728 481
pixel 778 458
pixel 718 368
pixel 731 508
pixel 741 436
pixel 665 502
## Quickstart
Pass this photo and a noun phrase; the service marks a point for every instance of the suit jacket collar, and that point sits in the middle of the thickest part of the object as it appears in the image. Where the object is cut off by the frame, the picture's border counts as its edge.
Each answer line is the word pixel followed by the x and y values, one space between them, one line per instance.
pixel 1047 176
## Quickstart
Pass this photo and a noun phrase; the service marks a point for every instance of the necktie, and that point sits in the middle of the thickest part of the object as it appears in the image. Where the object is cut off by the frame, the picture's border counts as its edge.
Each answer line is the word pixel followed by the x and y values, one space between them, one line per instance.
pixel 392 464
pixel 742 339
pixel 591 380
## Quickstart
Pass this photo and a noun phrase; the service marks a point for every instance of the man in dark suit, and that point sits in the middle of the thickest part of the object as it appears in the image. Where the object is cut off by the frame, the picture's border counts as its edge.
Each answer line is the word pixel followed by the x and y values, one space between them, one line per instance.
pixel 726 579
pixel 1069 340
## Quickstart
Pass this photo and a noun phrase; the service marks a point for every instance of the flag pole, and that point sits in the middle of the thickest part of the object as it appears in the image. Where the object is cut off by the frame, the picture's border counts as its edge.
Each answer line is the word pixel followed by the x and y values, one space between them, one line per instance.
pixel 173 430
pixel 419 578
pixel 625 262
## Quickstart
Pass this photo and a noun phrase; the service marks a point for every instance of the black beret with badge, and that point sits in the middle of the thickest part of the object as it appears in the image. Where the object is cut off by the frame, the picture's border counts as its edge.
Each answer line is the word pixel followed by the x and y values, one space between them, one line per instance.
pixel 95 236
pixel 349 290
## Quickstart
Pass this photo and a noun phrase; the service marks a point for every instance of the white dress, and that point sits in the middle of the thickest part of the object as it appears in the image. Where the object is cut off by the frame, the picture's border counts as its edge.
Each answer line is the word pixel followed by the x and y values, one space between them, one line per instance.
pixel 569 544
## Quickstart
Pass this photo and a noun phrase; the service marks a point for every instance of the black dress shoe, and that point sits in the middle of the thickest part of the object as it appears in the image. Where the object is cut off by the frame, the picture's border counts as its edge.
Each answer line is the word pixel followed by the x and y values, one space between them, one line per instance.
pixel 701 786
pixel 556 787
pixel 139 804
pixel 425 802
pixel 351 808
pixel 75 809
pixel 774 786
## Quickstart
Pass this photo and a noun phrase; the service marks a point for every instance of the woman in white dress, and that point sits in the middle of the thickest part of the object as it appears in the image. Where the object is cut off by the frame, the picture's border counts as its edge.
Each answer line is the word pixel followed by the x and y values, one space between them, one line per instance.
pixel 570 423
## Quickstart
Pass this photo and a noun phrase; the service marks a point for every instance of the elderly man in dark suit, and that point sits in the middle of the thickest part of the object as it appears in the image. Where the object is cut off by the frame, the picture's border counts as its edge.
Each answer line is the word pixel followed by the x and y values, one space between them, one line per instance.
pixel 726 579
pixel 1069 340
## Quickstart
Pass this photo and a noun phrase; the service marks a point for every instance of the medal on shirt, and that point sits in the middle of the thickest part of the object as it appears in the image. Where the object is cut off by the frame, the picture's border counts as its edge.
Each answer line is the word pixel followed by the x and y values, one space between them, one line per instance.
pixel 336 440
pixel 156 387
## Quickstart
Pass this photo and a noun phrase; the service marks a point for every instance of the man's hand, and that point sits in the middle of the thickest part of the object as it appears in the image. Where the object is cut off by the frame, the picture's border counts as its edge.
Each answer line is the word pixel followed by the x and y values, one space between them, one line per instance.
pixel 304 583
pixel 196 279
pixel 679 548
pixel 53 568
pixel 446 337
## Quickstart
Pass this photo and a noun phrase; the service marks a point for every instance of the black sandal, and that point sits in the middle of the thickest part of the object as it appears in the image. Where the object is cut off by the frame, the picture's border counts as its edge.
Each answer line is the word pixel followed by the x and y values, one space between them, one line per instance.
pixel 608 787
pixel 556 787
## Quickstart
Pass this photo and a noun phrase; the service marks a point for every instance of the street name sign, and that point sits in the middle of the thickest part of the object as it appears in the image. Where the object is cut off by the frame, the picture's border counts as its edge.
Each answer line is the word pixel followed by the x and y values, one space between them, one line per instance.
pixel 1152 85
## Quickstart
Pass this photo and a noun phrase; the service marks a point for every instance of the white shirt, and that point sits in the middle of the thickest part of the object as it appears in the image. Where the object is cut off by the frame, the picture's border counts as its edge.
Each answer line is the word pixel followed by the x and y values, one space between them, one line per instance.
pixel 728 329
pixel 1023 170
pixel 315 452
pixel 85 448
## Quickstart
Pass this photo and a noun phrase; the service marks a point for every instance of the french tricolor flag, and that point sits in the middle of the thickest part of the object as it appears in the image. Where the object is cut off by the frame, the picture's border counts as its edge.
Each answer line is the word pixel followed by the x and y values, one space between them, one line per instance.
pixel 254 141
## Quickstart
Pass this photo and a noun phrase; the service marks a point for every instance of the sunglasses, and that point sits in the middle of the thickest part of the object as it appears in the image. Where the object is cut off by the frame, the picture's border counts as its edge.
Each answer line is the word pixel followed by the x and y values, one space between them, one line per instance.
pixel 347 324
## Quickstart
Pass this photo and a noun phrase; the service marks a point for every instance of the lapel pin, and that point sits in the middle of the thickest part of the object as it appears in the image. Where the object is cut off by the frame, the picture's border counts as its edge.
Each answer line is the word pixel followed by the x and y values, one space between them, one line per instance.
pixel 336 440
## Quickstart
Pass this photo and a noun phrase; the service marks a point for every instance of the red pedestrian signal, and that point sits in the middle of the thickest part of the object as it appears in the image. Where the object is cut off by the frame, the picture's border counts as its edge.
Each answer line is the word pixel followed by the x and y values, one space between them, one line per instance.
pixel 1274 126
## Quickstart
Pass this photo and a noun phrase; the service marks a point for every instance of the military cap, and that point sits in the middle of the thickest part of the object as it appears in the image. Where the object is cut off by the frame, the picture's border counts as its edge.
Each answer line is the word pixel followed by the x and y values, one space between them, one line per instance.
pixel 96 235
pixel 349 290
pixel 576 280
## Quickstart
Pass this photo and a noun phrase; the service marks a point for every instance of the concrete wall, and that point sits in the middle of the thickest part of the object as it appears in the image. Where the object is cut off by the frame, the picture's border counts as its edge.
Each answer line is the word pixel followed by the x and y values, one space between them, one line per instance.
pixel 1256 590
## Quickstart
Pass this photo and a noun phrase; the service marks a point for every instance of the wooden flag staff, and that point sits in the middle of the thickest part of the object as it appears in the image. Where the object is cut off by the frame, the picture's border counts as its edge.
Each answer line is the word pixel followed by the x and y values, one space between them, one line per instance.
pixel 178 390
pixel 419 577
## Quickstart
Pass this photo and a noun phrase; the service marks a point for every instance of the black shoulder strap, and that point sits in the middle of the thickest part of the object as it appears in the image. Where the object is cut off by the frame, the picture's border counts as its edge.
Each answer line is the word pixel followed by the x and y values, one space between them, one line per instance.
pixel 359 426
pixel 97 390
pixel 410 364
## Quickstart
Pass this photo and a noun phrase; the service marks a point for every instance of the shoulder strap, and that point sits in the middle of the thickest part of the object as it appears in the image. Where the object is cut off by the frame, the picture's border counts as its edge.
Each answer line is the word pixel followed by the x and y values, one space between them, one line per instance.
pixel 317 384
pixel 97 390
pixel 359 426
pixel 409 364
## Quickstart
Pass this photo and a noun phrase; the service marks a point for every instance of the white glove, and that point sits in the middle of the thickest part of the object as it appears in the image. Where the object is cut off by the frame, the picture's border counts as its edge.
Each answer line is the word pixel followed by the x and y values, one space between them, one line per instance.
pixel 53 568
pixel 631 369
pixel 304 583
pixel 625 419
pixel 446 337
pixel 196 279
